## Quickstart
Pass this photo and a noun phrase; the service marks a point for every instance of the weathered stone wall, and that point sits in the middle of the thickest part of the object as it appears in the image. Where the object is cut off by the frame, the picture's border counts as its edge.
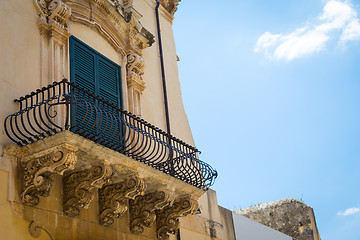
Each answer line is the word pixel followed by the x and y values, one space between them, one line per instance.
pixel 289 216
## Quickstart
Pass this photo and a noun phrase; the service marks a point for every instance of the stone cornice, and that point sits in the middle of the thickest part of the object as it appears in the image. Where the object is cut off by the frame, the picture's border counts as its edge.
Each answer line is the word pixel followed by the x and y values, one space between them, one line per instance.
pixel 90 153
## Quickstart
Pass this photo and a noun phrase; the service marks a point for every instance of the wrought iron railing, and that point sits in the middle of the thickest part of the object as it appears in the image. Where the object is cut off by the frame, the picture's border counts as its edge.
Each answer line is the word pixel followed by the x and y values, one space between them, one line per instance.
pixel 67 106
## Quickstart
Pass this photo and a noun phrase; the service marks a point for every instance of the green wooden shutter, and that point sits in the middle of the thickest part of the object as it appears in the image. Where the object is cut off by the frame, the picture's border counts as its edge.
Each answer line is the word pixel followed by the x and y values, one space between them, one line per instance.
pixel 109 88
pixel 109 81
pixel 101 76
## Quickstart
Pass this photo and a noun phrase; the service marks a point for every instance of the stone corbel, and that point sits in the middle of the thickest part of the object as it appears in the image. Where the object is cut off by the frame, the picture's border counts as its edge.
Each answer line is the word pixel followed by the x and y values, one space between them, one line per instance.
pixel 139 37
pixel 37 168
pixel 78 187
pixel 167 219
pixel 113 199
pixel 143 209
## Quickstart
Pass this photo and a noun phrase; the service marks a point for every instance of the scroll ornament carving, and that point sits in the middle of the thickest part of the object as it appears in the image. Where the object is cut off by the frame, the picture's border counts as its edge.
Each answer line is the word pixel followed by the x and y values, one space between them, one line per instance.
pixel 135 70
pixel 37 169
pixel 113 199
pixel 135 65
pixel 142 209
pixel 78 187
pixel 167 218
pixel 53 11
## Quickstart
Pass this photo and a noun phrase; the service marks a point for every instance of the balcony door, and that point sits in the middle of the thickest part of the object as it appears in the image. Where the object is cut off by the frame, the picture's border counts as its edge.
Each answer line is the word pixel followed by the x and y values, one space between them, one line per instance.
pixel 99 75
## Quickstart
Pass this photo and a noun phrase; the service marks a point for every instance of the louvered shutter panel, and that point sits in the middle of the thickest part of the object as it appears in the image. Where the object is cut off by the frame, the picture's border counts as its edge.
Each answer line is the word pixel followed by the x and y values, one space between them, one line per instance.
pixel 101 76
pixel 82 70
pixel 109 88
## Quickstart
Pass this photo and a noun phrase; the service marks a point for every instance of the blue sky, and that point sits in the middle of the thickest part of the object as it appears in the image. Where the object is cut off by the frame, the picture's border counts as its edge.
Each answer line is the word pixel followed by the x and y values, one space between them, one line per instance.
pixel 272 93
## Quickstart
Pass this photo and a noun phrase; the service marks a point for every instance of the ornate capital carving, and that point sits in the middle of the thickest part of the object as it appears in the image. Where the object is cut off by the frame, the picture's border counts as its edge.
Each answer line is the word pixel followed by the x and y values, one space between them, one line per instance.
pixel 135 64
pixel 167 218
pixel 37 169
pixel 113 199
pixel 53 12
pixel 142 209
pixel 135 70
pixel 78 187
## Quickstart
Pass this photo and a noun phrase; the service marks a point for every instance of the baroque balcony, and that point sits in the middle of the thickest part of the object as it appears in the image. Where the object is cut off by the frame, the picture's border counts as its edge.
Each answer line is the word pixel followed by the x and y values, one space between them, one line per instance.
pixel 67 130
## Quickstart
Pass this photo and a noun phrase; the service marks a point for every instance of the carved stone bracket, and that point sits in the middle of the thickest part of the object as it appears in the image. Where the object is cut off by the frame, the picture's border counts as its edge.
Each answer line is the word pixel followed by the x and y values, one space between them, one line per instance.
pixel 53 11
pixel 143 209
pixel 113 199
pixel 37 168
pixel 78 187
pixel 167 218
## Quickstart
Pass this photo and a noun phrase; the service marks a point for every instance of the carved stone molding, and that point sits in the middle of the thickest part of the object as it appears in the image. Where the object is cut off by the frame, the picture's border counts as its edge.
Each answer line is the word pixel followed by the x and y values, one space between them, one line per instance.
pixel 170 5
pixel 167 218
pixel 143 209
pixel 78 187
pixel 37 168
pixel 135 64
pixel 135 69
pixel 115 22
pixel 53 12
pixel 35 230
pixel 113 199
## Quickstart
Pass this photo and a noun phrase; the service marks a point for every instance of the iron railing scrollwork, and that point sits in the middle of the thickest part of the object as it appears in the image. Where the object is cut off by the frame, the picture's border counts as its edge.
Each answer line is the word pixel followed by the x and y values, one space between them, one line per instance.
pixel 67 106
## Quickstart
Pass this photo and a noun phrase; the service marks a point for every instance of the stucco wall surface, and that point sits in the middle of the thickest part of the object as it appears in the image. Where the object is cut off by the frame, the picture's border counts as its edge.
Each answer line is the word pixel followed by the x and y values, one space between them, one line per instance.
pixel 20 55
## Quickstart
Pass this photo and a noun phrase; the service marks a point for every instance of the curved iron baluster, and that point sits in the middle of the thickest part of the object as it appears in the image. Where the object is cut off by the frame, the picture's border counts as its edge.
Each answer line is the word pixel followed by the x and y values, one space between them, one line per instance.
pixel 105 123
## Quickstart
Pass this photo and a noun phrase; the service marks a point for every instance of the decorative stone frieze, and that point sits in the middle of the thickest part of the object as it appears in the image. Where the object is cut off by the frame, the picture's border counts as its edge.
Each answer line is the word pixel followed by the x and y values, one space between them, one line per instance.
pixel 113 199
pixel 167 218
pixel 143 209
pixel 78 187
pixel 37 168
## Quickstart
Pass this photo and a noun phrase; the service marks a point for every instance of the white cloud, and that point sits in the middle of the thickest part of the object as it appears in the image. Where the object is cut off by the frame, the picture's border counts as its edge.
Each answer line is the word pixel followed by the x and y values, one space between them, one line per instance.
pixel 349 211
pixel 336 15
pixel 301 45
pixel 351 32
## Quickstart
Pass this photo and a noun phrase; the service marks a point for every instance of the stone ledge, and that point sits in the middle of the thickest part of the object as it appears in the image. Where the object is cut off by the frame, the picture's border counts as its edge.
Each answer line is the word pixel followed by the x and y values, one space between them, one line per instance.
pixel 90 153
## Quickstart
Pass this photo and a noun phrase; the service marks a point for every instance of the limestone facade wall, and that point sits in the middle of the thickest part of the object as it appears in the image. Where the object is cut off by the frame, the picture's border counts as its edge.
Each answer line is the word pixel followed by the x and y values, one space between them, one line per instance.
pixel 34 50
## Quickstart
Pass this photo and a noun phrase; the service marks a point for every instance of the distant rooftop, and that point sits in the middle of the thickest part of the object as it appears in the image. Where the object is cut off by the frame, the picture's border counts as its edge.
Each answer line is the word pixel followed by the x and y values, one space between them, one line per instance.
pixel 269 205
